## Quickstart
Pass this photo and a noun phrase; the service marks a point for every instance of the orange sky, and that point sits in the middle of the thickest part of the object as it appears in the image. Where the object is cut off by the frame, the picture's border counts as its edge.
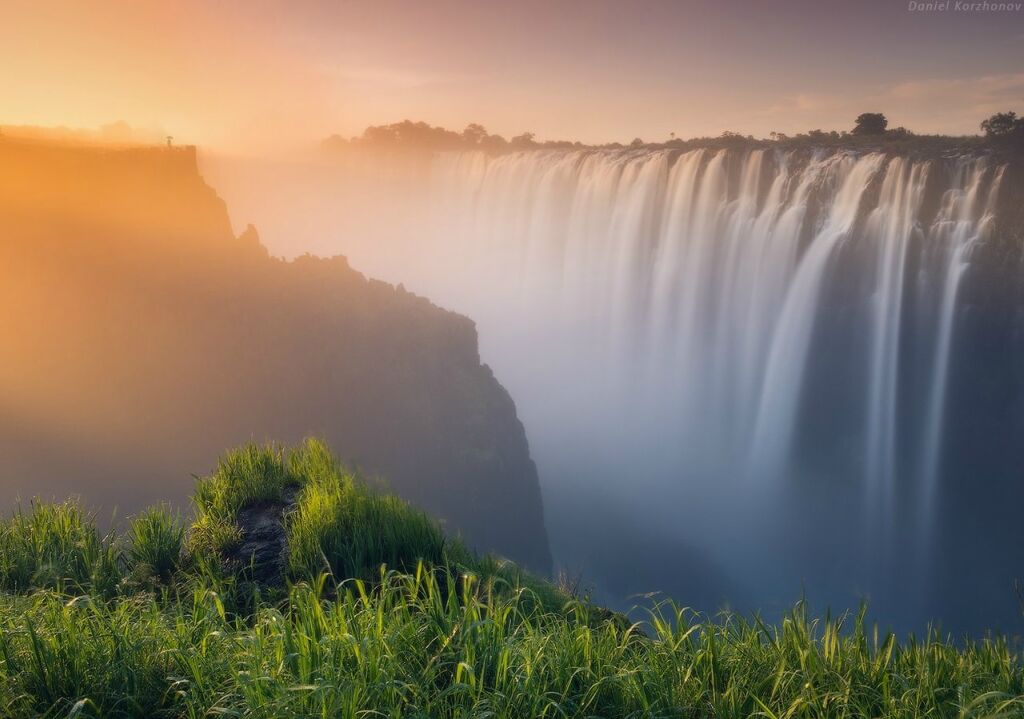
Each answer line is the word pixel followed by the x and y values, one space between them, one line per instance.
pixel 272 75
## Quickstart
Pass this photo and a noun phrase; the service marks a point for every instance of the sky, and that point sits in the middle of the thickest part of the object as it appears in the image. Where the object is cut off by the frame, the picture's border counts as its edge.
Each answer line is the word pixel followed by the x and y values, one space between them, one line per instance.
pixel 257 75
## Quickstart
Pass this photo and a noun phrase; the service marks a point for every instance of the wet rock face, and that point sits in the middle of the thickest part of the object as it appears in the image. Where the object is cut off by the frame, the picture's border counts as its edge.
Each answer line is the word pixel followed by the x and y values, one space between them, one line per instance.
pixel 262 555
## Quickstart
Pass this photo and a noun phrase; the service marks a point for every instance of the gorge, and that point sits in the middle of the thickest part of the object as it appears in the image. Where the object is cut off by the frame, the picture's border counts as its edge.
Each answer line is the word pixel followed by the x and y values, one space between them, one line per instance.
pixel 745 372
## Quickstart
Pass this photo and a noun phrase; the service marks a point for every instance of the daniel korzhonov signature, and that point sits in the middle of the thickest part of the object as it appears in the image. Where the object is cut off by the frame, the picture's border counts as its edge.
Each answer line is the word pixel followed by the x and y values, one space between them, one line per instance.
pixel 964 6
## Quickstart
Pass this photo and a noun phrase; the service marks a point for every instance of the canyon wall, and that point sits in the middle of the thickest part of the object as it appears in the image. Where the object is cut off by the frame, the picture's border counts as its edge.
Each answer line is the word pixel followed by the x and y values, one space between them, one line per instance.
pixel 139 338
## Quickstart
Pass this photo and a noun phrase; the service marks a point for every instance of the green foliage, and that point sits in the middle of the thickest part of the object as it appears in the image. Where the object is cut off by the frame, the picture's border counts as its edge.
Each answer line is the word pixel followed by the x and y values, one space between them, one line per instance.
pixel 56 546
pixel 155 541
pixel 312 461
pixel 440 633
pixel 253 473
pixel 422 645
pixel 340 527
pixel 84 657
pixel 211 535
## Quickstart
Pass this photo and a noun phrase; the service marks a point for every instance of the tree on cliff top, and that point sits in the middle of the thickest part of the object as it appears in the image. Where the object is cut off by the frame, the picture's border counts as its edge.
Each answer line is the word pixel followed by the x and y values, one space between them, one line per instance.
pixel 474 133
pixel 1005 128
pixel 870 123
pixel 524 141
pixel 1002 124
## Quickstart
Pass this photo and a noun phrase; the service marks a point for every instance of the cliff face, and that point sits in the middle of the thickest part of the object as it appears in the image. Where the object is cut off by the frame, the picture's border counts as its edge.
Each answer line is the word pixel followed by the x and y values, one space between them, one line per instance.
pixel 139 338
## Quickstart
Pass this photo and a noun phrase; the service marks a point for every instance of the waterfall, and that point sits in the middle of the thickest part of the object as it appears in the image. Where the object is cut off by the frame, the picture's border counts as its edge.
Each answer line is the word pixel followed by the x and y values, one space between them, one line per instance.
pixel 742 372
pixel 699 290
pixel 964 220
pixel 791 334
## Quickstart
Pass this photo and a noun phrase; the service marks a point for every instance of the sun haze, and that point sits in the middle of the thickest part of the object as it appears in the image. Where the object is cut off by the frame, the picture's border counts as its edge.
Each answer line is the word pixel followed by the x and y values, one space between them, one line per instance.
pixel 257 76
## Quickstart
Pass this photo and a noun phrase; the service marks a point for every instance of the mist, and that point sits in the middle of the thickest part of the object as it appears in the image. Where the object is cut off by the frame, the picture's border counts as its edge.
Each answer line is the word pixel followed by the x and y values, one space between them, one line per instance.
pixel 142 339
pixel 746 375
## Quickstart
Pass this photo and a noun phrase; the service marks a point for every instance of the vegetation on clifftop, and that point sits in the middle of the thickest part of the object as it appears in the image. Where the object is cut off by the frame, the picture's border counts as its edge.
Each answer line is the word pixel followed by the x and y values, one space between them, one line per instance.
pixel 1003 134
pixel 382 615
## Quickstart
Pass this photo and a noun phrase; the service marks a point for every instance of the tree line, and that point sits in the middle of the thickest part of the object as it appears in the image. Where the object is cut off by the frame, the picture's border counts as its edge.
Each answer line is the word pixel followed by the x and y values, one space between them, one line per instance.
pixel 1003 129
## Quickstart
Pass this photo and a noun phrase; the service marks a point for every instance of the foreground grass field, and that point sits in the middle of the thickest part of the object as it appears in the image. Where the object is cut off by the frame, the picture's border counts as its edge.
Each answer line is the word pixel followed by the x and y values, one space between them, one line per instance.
pixel 162 622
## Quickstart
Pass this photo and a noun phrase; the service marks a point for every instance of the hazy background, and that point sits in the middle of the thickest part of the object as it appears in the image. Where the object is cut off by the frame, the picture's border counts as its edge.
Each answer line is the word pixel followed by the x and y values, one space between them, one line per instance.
pixel 261 76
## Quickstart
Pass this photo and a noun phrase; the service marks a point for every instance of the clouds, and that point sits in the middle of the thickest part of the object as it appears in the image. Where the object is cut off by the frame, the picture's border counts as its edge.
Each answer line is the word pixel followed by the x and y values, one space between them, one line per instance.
pixel 979 94
pixel 248 76
pixel 930 105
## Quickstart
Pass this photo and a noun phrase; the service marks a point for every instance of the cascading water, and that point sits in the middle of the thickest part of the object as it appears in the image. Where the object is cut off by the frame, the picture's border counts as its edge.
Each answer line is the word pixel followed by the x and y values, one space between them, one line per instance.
pixel 962 222
pixel 743 372
pixel 706 271
pixel 752 310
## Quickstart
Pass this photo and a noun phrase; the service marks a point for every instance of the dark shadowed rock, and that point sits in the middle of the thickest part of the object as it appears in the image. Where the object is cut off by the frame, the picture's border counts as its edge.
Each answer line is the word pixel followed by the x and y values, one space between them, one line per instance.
pixel 143 339
pixel 262 553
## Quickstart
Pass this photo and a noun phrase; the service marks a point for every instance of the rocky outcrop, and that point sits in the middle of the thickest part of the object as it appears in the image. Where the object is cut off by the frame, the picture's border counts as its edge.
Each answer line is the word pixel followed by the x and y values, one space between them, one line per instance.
pixel 261 554
pixel 139 338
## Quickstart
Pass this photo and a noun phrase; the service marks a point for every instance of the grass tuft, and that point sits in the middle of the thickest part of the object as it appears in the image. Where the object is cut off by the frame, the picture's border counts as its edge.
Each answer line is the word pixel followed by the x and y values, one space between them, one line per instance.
pixel 155 541
pixel 340 527
pixel 56 546
pixel 253 473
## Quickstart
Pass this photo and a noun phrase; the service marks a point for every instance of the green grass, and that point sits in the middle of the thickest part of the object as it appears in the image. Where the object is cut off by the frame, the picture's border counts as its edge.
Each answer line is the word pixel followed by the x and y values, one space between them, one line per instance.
pixel 340 527
pixel 250 474
pixel 155 541
pixel 56 546
pixel 439 633
pixel 247 475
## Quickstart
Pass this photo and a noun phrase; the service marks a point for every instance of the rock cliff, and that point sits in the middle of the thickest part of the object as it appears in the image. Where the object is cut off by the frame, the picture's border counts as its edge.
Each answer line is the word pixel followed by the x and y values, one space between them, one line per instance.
pixel 139 337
